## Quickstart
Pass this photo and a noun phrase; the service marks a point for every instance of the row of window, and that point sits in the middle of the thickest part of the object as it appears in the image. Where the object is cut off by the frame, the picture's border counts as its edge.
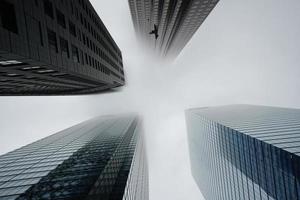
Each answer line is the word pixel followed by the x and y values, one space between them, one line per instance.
pixel 72 28
pixel 17 183
pixel 77 55
pixel 86 41
pixel 36 83
pixel 98 25
pixel 89 43
pixel 29 88
pixel 243 166
pixel 8 19
pixel 83 164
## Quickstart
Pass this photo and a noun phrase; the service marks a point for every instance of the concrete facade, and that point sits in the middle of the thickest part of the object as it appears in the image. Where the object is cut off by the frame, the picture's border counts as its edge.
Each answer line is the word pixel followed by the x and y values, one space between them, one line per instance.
pixel 56 47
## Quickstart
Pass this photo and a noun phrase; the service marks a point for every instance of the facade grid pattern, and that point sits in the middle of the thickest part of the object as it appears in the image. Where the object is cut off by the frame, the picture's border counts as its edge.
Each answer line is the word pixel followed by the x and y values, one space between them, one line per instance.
pixel 177 22
pixel 56 47
pixel 93 160
pixel 245 152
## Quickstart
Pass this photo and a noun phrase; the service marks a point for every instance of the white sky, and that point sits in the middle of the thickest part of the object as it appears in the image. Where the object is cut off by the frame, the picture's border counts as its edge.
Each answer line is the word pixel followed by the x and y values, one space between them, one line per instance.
pixel 245 52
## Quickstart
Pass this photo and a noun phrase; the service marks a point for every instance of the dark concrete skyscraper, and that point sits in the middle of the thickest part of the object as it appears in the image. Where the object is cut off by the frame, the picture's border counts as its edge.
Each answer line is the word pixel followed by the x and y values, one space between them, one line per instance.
pixel 245 152
pixel 56 47
pixel 103 158
pixel 176 21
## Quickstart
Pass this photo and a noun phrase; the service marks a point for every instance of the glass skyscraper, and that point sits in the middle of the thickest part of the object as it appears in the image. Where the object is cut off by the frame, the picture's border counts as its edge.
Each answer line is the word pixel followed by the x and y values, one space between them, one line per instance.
pixel 174 22
pixel 103 158
pixel 245 152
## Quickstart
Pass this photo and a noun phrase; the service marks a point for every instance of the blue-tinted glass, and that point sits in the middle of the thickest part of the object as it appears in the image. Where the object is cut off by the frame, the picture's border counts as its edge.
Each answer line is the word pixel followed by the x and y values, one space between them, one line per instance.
pixel 258 152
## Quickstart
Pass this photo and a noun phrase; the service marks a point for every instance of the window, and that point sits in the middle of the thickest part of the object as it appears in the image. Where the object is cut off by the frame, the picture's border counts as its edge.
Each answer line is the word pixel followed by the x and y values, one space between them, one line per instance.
pixel 52 41
pixel 82 58
pixel 8 16
pixel 60 18
pixel 72 8
pixel 75 54
pixel 72 28
pixel 86 59
pixel 77 14
pixel 48 7
pixel 81 19
pixel 85 23
pixel 45 71
pixel 83 37
pixel 88 42
pixel 10 62
pixel 64 46
pixel 79 35
pixel 41 34
pixel 90 61
pixel 31 68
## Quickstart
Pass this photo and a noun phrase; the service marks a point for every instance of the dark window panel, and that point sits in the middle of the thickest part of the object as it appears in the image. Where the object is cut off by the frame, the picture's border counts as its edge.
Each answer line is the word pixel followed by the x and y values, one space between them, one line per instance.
pixel 75 54
pixel 48 7
pixel 41 34
pixel 72 28
pixel 8 16
pixel 64 46
pixel 52 40
pixel 60 18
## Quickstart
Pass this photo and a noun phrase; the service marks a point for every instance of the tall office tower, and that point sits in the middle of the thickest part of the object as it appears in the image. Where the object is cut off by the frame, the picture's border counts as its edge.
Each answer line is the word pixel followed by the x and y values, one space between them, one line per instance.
pixel 50 47
pixel 103 158
pixel 173 22
pixel 245 152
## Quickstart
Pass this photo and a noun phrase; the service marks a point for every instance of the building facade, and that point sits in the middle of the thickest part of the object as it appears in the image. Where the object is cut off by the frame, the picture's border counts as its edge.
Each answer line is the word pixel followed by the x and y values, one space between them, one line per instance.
pixel 245 152
pixel 56 47
pixel 177 21
pixel 103 158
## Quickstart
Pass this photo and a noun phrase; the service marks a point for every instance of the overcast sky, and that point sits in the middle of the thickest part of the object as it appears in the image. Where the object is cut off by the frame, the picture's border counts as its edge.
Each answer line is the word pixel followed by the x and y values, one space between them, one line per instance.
pixel 245 52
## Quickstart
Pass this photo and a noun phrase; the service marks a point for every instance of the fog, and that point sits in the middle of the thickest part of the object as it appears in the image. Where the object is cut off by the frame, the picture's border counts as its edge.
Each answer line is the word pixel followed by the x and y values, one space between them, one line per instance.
pixel 245 52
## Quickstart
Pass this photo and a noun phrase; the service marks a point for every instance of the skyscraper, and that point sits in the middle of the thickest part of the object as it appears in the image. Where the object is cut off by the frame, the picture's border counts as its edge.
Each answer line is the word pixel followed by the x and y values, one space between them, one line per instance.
pixel 245 152
pixel 176 22
pixel 103 158
pixel 52 47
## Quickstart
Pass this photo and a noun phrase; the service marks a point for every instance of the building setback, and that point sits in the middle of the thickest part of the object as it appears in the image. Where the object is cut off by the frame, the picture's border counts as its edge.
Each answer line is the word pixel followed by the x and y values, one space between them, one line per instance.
pixel 103 158
pixel 245 152
pixel 177 21
pixel 50 47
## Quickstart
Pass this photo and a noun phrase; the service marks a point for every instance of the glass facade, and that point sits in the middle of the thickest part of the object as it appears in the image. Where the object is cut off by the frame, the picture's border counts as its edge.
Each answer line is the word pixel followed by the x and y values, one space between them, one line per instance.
pixel 245 152
pixel 103 158
pixel 177 21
